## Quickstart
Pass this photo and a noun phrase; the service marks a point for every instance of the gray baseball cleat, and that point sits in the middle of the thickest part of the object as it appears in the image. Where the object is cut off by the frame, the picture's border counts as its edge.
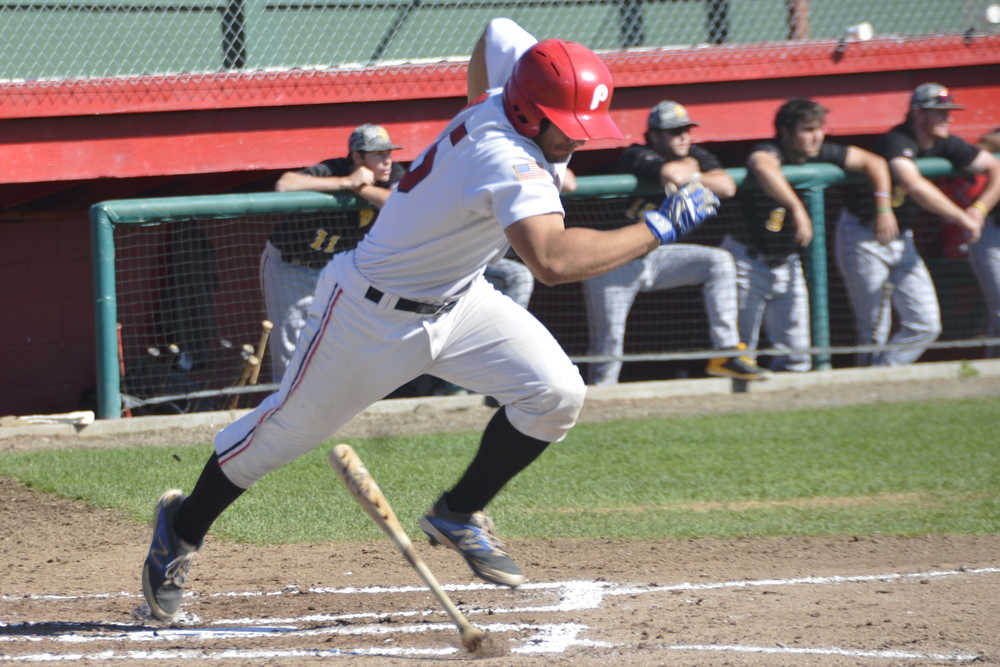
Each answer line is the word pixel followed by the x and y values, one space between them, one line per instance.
pixel 472 536
pixel 168 560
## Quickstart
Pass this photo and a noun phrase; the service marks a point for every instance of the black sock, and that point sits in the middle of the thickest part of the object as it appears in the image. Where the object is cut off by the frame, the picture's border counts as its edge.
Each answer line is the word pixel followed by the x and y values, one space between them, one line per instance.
pixel 503 452
pixel 212 494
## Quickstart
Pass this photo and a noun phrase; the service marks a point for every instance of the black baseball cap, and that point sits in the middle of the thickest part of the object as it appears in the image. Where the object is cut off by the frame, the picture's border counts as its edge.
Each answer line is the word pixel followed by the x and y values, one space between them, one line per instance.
pixel 933 96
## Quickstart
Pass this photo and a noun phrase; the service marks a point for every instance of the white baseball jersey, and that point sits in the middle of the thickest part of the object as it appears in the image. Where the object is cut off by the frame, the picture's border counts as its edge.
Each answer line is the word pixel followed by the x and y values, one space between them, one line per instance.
pixel 431 242
pixel 505 42
pixel 445 221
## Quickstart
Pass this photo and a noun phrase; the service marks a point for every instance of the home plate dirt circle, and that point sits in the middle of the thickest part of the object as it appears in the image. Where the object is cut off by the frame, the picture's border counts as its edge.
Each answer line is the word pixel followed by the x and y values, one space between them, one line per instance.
pixel 777 601
pixel 70 589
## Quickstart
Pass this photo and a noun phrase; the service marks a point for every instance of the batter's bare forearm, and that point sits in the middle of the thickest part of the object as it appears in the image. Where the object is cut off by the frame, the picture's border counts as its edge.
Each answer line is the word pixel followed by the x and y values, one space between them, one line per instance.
pixel 578 253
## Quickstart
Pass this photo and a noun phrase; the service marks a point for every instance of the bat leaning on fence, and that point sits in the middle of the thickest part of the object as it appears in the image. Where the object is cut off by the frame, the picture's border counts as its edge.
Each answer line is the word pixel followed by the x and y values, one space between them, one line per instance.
pixel 252 363
pixel 884 313
pixel 127 412
pixel 265 333
pixel 352 472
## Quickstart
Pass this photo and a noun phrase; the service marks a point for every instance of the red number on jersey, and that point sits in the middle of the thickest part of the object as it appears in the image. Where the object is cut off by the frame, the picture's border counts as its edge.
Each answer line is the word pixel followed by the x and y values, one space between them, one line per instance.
pixel 417 174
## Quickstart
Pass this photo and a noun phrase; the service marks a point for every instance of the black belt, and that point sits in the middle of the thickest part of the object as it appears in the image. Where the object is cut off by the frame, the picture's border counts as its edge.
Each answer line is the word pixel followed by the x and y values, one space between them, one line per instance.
pixel 771 260
pixel 307 263
pixel 412 306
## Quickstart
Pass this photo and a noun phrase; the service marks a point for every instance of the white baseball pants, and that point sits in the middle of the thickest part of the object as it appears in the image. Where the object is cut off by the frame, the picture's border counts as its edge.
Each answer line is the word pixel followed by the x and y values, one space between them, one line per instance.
pixel 353 352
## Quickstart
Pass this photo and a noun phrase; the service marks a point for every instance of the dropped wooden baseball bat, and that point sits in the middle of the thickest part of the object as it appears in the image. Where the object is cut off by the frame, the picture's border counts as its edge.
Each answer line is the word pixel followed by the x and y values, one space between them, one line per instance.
pixel 352 472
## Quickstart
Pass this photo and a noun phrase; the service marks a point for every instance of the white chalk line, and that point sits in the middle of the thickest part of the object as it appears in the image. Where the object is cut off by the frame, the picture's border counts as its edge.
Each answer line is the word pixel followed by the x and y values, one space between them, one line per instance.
pixel 607 588
pixel 544 638
pixel 790 650
pixel 548 638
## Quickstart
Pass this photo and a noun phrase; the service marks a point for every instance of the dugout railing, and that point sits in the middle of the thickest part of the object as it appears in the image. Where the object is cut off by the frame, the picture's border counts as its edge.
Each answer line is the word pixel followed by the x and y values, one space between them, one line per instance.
pixel 193 279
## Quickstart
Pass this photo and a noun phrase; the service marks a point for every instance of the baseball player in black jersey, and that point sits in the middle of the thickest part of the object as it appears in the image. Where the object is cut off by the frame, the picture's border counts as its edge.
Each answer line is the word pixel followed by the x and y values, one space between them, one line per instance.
pixel 772 284
pixel 668 159
pixel 299 248
pixel 880 263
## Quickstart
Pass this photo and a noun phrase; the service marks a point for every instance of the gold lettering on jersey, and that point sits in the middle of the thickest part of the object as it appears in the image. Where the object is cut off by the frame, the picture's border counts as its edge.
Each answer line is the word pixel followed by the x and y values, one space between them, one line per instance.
pixel 365 216
pixel 324 241
pixel 638 208
pixel 898 196
pixel 776 221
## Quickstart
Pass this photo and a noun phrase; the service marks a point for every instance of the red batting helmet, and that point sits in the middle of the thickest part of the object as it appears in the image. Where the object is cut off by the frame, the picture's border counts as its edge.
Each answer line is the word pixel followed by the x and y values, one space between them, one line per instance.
pixel 566 83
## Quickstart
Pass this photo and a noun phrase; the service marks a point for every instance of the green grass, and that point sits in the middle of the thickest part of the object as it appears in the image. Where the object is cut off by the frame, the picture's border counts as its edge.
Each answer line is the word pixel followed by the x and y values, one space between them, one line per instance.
pixel 908 468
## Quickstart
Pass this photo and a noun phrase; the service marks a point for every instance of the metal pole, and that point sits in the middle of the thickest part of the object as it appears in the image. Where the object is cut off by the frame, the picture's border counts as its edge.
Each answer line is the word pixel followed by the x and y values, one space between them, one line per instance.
pixel 816 276
pixel 102 248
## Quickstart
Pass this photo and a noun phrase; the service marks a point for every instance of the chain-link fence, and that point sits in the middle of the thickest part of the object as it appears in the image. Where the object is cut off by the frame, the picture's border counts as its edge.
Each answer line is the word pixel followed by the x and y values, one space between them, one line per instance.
pixel 181 277
pixel 82 42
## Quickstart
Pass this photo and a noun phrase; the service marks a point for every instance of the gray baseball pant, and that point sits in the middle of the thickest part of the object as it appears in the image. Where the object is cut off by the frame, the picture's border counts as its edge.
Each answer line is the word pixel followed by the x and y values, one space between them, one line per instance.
pixel 866 265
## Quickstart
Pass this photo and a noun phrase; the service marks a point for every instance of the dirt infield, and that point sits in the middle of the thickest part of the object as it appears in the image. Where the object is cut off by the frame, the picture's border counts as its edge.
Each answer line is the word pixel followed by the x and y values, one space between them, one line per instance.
pixel 70 587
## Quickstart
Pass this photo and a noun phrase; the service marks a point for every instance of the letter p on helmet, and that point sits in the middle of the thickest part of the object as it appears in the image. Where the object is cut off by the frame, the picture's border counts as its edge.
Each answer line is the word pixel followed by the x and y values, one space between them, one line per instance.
pixel 600 95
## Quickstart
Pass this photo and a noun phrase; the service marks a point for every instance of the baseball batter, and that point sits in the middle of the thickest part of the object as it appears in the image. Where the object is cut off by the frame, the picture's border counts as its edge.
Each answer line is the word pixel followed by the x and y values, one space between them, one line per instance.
pixel 668 159
pixel 880 263
pixel 772 284
pixel 299 248
pixel 411 299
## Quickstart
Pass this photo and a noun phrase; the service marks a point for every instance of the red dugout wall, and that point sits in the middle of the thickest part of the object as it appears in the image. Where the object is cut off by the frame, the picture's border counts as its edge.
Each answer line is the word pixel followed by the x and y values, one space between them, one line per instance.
pixel 136 127
pixel 63 147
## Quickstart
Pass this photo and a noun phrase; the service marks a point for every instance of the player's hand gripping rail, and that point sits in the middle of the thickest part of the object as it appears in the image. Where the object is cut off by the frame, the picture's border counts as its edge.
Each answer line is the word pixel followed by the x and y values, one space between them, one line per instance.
pixel 683 210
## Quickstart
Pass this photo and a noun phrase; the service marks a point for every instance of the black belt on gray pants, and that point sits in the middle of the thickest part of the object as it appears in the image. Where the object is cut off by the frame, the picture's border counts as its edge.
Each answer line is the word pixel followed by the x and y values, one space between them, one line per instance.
pixel 771 260
pixel 409 306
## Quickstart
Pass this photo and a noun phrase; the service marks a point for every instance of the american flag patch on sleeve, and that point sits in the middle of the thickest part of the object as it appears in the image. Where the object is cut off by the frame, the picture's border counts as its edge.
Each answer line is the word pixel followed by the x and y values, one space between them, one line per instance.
pixel 529 170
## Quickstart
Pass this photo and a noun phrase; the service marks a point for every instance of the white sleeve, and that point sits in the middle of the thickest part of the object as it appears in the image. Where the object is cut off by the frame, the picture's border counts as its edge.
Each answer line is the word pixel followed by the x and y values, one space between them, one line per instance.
pixel 505 42
pixel 521 188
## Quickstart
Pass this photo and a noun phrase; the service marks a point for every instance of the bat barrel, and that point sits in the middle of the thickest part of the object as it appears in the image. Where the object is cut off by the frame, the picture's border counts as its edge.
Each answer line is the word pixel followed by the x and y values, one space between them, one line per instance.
pixel 352 472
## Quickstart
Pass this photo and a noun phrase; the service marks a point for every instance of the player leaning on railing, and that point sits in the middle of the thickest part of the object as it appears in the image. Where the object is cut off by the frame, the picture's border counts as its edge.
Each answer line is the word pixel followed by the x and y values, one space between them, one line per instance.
pixel 882 268
pixel 411 299
pixel 300 246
